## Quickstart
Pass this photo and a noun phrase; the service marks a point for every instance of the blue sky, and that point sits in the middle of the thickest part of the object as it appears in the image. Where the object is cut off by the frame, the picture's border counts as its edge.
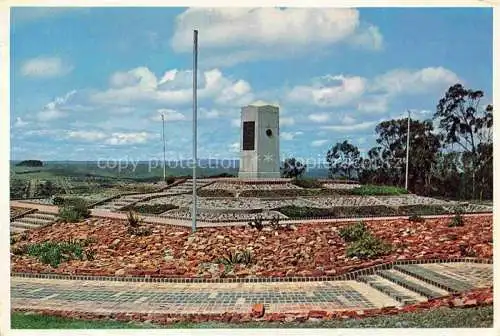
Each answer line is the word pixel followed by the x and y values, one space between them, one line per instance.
pixel 90 83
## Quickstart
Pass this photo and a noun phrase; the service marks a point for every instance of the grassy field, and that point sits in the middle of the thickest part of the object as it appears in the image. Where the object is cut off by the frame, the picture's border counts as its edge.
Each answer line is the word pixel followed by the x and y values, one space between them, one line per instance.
pixel 481 317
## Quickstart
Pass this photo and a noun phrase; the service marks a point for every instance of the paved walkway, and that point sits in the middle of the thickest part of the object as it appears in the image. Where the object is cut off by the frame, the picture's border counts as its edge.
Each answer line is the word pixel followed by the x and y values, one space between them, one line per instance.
pixel 180 222
pixel 398 286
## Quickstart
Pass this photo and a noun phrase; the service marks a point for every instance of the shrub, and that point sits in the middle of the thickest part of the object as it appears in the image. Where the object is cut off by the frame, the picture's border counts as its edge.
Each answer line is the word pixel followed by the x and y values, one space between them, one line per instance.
pixel 133 219
pixel 257 223
pixel 416 219
pixel 353 232
pixel 307 183
pixel 236 257
pixel 372 190
pixel 53 253
pixel 367 247
pixel 74 212
pixel 456 220
pixel 134 222
pixel 156 209
pixel 214 193
pixel 170 179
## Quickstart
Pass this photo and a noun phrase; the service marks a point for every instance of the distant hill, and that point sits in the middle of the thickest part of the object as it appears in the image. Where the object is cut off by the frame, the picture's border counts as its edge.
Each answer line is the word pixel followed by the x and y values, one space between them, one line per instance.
pixel 30 163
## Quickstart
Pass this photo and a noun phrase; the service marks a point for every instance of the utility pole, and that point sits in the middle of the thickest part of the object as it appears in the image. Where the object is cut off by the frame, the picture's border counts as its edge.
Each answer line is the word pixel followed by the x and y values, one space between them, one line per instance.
pixel 407 150
pixel 164 158
pixel 195 87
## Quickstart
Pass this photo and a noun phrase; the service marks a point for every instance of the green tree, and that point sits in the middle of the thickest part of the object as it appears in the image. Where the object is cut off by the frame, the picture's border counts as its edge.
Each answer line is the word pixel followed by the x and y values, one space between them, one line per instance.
pixel 292 168
pixel 464 123
pixel 387 161
pixel 344 159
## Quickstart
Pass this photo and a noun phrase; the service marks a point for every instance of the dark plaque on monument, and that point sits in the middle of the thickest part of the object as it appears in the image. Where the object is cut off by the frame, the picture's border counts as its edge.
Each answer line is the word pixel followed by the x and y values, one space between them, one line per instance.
pixel 248 135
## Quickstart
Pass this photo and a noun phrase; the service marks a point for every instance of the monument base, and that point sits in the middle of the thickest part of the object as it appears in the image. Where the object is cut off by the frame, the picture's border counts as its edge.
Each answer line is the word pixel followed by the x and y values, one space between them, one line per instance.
pixel 257 174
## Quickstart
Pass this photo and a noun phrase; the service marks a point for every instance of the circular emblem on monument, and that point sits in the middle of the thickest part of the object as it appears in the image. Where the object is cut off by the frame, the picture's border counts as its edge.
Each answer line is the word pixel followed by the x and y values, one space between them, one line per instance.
pixel 269 132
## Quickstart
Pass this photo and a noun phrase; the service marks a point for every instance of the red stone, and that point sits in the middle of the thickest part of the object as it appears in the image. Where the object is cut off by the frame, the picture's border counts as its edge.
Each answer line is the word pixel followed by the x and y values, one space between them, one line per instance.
pixel 258 310
pixel 317 314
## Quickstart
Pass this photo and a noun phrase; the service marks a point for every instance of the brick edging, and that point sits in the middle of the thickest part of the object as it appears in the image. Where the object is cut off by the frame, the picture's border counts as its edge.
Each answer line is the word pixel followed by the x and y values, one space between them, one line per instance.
pixel 347 276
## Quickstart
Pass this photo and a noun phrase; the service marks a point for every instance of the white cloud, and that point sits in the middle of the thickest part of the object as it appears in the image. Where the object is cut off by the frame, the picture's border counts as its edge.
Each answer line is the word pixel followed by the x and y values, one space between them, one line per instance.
pixel 368 38
pixel 56 108
pixel 347 120
pixel 287 136
pixel 238 35
pixel 45 67
pixel 318 143
pixel 319 117
pixel 411 82
pixel 374 103
pixel 142 85
pixel 236 122
pixel 329 91
pixel 234 147
pixel 20 122
pixel 287 121
pixel 87 135
pixel 169 115
pixel 350 128
pixel 127 138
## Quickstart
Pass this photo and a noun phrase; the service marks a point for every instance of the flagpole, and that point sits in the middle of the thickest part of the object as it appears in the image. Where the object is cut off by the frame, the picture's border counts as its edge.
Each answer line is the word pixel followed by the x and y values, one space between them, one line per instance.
pixel 195 121
pixel 407 150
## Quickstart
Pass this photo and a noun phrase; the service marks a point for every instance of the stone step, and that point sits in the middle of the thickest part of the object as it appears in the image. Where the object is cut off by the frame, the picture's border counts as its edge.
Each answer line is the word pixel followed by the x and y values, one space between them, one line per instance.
pixel 439 280
pixel 16 229
pixel 36 221
pixel 23 225
pixel 404 280
pixel 398 293
pixel 41 215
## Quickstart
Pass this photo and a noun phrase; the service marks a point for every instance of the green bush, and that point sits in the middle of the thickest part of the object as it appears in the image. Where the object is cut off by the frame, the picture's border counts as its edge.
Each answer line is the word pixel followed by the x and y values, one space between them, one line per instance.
pixel 156 209
pixel 367 247
pixel 337 212
pixel 307 183
pixel 353 232
pixel 74 212
pixel 236 257
pixel 416 219
pixel 374 190
pixel 214 193
pixel 456 220
pixel 53 253
pixel 170 179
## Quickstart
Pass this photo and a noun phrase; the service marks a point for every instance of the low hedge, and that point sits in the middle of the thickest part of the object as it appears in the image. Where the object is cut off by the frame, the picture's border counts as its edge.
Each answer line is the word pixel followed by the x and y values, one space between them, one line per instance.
pixel 278 193
pixel 307 183
pixel 155 209
pixel 215 193
pixel 337 212
pixel 421 210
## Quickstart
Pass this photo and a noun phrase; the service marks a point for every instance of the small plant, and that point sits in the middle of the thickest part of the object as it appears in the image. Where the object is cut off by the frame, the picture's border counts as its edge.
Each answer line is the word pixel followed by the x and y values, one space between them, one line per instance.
pixel 53 253
pixel 416 219
pixel 467 251
pixel 353 232
pixel 134 223
pixel 236 257
pixel 274 223
pixel 133 219
pixel 257 223
pixel 457 220
pixel 74 211
pixel 367 247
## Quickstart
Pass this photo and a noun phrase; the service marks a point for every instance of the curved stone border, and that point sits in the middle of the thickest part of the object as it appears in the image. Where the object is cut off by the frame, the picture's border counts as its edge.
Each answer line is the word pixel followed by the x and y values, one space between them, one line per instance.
pixel 347 276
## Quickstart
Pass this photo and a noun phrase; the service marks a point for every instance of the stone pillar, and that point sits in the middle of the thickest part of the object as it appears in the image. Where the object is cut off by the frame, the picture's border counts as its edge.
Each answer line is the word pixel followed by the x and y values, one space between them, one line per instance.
pixel 259 142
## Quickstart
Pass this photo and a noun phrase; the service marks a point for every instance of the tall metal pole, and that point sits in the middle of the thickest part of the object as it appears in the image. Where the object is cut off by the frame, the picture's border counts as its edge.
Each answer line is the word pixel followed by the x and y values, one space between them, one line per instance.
pixel 195 120
pixel 407 150
pixel 164 158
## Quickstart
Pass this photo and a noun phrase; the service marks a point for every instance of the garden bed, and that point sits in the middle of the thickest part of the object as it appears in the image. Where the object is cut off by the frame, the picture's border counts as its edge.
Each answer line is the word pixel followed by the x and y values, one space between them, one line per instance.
pixel 305 250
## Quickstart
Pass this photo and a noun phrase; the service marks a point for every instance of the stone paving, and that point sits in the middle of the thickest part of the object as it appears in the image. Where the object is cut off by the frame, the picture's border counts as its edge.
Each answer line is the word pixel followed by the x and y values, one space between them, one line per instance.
pixel 372 291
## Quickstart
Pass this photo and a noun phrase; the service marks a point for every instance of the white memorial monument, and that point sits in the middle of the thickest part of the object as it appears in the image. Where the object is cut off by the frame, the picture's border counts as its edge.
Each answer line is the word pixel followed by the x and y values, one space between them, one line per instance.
pixel 259 142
